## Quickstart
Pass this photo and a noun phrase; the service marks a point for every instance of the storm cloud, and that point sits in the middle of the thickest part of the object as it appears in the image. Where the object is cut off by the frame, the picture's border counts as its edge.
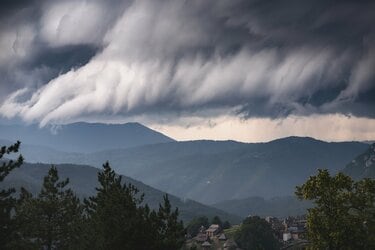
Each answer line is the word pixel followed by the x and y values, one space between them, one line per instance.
pixel 66 61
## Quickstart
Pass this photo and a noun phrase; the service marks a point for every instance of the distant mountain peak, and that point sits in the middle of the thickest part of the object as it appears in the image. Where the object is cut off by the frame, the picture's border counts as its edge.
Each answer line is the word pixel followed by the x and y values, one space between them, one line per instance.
pixel 83 136
pixel 295 139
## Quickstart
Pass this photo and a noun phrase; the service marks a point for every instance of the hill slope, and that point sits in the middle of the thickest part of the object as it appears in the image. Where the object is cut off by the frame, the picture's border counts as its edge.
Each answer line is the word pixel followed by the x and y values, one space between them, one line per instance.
pixel 280 207
pixel 214 171
pixel 363 166
pixel 83 180
pixel 84 137
pixel 210 171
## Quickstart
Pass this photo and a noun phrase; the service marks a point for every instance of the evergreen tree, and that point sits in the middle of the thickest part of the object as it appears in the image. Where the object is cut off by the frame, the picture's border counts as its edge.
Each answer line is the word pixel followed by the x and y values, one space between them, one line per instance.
pixel 171 230
pixel 112 219
pixel 7 202
pixel 216 220
pixel 115 222
pixel 52 220
pixel 226 224
pixel 116 219
pixel 195 224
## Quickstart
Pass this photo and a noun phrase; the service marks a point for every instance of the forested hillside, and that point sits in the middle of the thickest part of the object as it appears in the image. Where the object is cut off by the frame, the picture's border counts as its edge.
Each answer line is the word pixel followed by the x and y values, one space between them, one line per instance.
pixel 83 181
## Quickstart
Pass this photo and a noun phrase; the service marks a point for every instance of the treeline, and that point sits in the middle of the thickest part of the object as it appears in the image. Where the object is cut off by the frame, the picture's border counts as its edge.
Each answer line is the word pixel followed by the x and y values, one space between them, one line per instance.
pixel 57 219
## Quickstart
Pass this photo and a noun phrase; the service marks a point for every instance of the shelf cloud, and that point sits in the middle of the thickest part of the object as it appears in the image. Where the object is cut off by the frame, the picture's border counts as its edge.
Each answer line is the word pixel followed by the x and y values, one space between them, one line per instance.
pixel 64 61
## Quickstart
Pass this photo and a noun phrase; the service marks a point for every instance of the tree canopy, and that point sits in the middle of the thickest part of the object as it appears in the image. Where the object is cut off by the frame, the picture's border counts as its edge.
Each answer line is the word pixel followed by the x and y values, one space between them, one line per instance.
pixel 114 218
pixel 52 220
pixel 7 201
pixel 195 224
pixel 256 233
pixel 344 212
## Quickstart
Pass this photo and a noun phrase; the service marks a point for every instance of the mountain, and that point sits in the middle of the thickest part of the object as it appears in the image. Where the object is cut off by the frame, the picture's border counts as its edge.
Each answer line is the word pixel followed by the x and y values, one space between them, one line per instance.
pixel 280 207
pixel 363 166
pixel 83 180
pixel 84 137
pixel 210 172
pixel 214 171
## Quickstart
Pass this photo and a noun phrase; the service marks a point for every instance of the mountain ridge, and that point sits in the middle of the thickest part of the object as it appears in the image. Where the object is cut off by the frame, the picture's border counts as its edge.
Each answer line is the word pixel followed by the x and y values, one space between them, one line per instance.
pixel 214 171
pixel 84 137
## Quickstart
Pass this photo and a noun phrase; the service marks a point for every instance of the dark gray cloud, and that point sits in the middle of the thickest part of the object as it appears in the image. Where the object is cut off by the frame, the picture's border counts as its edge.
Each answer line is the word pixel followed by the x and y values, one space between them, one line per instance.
pixel 129 58
pixel 32 56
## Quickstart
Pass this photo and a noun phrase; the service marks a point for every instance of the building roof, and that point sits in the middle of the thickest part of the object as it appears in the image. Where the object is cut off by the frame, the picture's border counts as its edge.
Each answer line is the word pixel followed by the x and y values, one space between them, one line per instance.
pixel 222 237
pixel 206 244
pixel 230 243
pixel 201 237
pixel 213 228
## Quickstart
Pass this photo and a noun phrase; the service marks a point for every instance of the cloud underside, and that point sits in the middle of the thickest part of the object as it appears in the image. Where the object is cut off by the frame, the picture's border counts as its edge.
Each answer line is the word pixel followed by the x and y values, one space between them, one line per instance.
pixel 166 59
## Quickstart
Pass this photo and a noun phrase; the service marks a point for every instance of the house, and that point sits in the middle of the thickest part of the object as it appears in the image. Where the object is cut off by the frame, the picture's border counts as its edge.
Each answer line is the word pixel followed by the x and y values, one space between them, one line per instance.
pixel 297 234
pixel 201 237
pixel 222 237
pixel 287 236
pixel 230 245
pixel 295 228
pixel 213 230
pixel 206 245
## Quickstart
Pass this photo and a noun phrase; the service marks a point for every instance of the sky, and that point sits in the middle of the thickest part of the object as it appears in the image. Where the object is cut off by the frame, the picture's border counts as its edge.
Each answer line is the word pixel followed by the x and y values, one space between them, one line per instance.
pixel 246 70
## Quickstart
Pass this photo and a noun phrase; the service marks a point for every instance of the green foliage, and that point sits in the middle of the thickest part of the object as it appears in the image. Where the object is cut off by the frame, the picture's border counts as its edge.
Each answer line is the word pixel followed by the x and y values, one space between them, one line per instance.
pixel 7 202
pixel 115 221
pixel 344 215
pixel 52 220
pixel 216 220
pixel 256 233
pixel 195 224
pixel 112 219
pixel 171 229
pixel 226 225
pixel 118 221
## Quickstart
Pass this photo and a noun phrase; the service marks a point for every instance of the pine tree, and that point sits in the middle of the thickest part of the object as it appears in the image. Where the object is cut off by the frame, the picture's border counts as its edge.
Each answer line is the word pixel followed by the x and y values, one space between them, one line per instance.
pixel 7 201
pixel 216 220
pixel 115 221
pixel 195 224
pixel 171 230
pixel 52 220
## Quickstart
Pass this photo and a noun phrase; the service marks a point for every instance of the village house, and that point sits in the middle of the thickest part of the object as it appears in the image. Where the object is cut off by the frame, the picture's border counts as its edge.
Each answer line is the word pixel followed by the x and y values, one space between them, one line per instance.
pixel 206 245
pixel 222 237
pixel 213 230
pixel 289 229
pixel 230 245
pixel 201 236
